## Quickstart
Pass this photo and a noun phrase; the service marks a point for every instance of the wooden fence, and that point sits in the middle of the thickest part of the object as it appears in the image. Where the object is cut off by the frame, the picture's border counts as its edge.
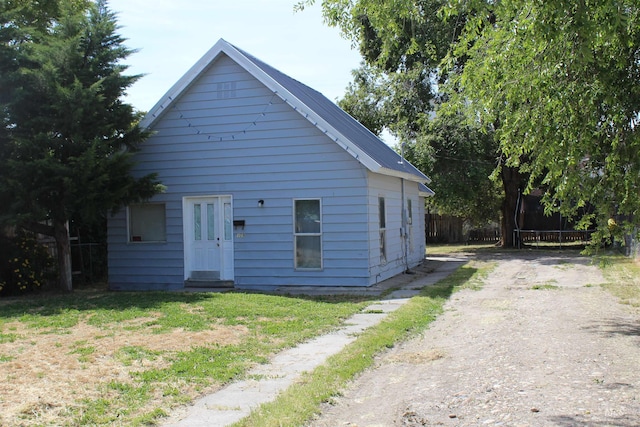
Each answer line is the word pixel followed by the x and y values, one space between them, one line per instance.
pixel 443 229
pixel 450 229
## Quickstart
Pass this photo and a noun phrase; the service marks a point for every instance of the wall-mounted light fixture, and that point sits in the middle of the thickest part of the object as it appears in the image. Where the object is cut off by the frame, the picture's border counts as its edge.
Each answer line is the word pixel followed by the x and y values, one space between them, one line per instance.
pixel 260 203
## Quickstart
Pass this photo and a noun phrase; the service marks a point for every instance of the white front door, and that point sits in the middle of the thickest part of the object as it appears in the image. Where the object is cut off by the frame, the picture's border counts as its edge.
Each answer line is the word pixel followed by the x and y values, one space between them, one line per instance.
pixel 208 238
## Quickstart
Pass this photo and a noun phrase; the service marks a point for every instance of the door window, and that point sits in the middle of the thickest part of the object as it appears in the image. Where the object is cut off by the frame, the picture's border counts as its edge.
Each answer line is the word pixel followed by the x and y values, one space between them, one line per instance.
pixel 197 221
pixel 228 222
pixel 211 222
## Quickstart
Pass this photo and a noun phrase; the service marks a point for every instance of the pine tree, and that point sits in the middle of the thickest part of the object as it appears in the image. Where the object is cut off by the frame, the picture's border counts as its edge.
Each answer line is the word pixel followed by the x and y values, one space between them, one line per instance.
pixel 67 138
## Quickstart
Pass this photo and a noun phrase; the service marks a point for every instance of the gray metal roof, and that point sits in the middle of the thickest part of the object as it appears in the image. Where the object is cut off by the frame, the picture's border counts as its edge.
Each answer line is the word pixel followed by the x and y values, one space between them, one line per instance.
pixel 340 120
pixel 346 131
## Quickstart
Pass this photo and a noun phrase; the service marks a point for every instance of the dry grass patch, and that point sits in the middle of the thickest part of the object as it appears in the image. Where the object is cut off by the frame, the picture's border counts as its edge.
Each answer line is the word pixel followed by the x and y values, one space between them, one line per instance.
pixel 418 357
pixel 47 370
pixel 127 359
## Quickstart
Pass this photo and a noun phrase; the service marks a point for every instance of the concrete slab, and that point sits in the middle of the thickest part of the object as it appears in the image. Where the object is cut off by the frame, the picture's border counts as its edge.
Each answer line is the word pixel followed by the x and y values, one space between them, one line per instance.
pixel 265 382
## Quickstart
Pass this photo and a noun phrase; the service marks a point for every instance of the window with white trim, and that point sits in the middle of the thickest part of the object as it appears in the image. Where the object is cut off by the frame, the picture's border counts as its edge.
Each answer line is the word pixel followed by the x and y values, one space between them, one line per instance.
pixel 307 232
pixel 147 222
pixel 382 215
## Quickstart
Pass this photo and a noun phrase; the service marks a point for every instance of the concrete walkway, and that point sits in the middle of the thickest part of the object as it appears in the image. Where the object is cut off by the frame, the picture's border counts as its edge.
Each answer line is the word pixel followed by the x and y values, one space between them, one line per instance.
pixel 265 382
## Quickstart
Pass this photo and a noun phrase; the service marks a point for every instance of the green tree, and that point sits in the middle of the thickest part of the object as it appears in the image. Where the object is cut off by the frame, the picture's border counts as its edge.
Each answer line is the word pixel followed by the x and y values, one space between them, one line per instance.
pixel 399 88
pixel 457 156
pixel 67 136
pixel 459 159
pixel 365 98
pixel 561 78
pixel 555 81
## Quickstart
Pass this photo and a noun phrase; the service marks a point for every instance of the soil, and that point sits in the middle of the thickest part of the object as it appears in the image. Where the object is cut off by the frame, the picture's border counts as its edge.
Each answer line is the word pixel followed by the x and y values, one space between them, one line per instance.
pixel 540 344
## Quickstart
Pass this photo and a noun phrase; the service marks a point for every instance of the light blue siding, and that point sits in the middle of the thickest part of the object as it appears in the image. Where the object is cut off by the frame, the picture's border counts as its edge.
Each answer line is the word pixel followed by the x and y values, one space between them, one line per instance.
pixel 252 146
pixel 390 188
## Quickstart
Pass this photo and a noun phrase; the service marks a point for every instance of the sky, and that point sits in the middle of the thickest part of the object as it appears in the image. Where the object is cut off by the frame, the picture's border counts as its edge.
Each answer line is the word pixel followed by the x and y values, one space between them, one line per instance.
pixel 171 35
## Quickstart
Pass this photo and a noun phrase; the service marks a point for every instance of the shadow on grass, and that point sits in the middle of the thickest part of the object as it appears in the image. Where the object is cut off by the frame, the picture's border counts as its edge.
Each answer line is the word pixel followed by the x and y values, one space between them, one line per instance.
pixel 493 248
pixel 96 298
pixel 56 303
pixel 544 255
pixel 46 305
pixel 222 304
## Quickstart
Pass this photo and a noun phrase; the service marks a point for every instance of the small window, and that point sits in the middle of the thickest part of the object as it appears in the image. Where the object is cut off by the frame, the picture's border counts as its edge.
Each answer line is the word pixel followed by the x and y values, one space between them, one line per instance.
pixel 409 212
pixel 147 223
pixel 307 234
pixel 382 212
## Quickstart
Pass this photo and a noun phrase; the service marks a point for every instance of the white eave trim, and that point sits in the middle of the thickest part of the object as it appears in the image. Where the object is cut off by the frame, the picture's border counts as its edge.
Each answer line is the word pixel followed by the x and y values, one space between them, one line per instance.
pixel 181 85
pixel 429 193
pixel 405 175
pixel 222 46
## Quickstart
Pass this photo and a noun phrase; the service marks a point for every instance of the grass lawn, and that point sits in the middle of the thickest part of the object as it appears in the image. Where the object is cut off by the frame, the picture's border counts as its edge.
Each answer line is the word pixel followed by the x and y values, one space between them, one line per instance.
pixel 105 358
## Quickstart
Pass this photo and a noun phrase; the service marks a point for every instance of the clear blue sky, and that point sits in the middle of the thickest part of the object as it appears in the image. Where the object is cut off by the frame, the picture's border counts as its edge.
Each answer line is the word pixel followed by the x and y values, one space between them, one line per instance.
pixel 171 35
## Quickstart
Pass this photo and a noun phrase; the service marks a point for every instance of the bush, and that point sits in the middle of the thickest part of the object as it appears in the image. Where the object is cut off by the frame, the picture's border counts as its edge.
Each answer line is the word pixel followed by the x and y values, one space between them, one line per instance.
pixel 25 264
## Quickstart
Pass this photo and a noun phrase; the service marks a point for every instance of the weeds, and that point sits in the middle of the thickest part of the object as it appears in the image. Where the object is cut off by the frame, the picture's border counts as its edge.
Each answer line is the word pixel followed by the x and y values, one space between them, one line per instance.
pixel 623 277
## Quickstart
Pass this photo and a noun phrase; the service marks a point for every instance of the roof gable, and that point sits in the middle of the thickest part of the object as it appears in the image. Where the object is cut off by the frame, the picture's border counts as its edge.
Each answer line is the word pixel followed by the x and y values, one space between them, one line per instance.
pixel 339 126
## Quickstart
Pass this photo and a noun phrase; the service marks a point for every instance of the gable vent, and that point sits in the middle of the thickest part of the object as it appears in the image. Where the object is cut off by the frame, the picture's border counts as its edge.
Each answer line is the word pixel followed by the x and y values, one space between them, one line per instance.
pixel 226 90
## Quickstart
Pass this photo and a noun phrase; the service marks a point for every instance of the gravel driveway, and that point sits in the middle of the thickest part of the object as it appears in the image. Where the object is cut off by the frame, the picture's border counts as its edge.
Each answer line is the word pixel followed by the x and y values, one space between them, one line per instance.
pixel 539 345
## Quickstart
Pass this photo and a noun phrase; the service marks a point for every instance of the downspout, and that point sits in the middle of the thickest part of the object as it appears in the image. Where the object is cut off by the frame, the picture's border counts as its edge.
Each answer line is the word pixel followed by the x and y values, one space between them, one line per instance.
pixel 403 223
pixel 403 226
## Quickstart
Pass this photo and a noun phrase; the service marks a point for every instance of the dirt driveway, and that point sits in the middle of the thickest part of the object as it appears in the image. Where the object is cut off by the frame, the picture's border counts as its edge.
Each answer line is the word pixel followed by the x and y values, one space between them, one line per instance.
pixel 539 345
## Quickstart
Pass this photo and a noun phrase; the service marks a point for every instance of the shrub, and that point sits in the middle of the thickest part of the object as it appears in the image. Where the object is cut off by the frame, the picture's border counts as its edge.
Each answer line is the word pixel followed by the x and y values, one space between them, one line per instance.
pixel 25 264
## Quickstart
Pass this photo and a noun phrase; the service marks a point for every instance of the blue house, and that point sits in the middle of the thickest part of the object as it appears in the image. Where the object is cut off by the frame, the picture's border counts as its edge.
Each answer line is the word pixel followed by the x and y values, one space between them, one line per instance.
pixel 269 184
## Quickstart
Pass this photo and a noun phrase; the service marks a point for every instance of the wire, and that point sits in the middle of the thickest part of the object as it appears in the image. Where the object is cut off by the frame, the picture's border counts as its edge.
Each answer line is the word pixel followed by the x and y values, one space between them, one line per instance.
pixel 225 136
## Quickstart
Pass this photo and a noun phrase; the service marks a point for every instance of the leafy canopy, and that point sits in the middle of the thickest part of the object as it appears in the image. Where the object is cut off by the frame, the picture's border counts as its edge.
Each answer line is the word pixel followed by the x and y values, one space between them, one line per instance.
pixel 67 134
pixel 398 88
pixel 556 81
pixel 561 78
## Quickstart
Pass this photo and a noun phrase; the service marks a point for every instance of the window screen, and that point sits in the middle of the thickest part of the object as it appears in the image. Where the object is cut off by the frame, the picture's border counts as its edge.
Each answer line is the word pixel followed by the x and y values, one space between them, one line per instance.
pixel 147 223
pixel 382 212
pixel 307 234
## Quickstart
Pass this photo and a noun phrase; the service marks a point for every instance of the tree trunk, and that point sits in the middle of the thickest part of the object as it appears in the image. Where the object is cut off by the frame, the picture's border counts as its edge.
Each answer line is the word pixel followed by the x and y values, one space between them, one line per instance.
pixel 63 246
pixel 511 186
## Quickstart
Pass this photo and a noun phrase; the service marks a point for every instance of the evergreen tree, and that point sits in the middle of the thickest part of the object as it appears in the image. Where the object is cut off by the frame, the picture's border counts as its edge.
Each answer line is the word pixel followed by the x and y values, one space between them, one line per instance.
pixel 67 136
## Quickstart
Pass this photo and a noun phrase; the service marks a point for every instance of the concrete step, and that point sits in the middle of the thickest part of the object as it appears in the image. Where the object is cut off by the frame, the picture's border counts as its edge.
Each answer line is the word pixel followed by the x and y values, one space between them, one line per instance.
pixel 208 284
